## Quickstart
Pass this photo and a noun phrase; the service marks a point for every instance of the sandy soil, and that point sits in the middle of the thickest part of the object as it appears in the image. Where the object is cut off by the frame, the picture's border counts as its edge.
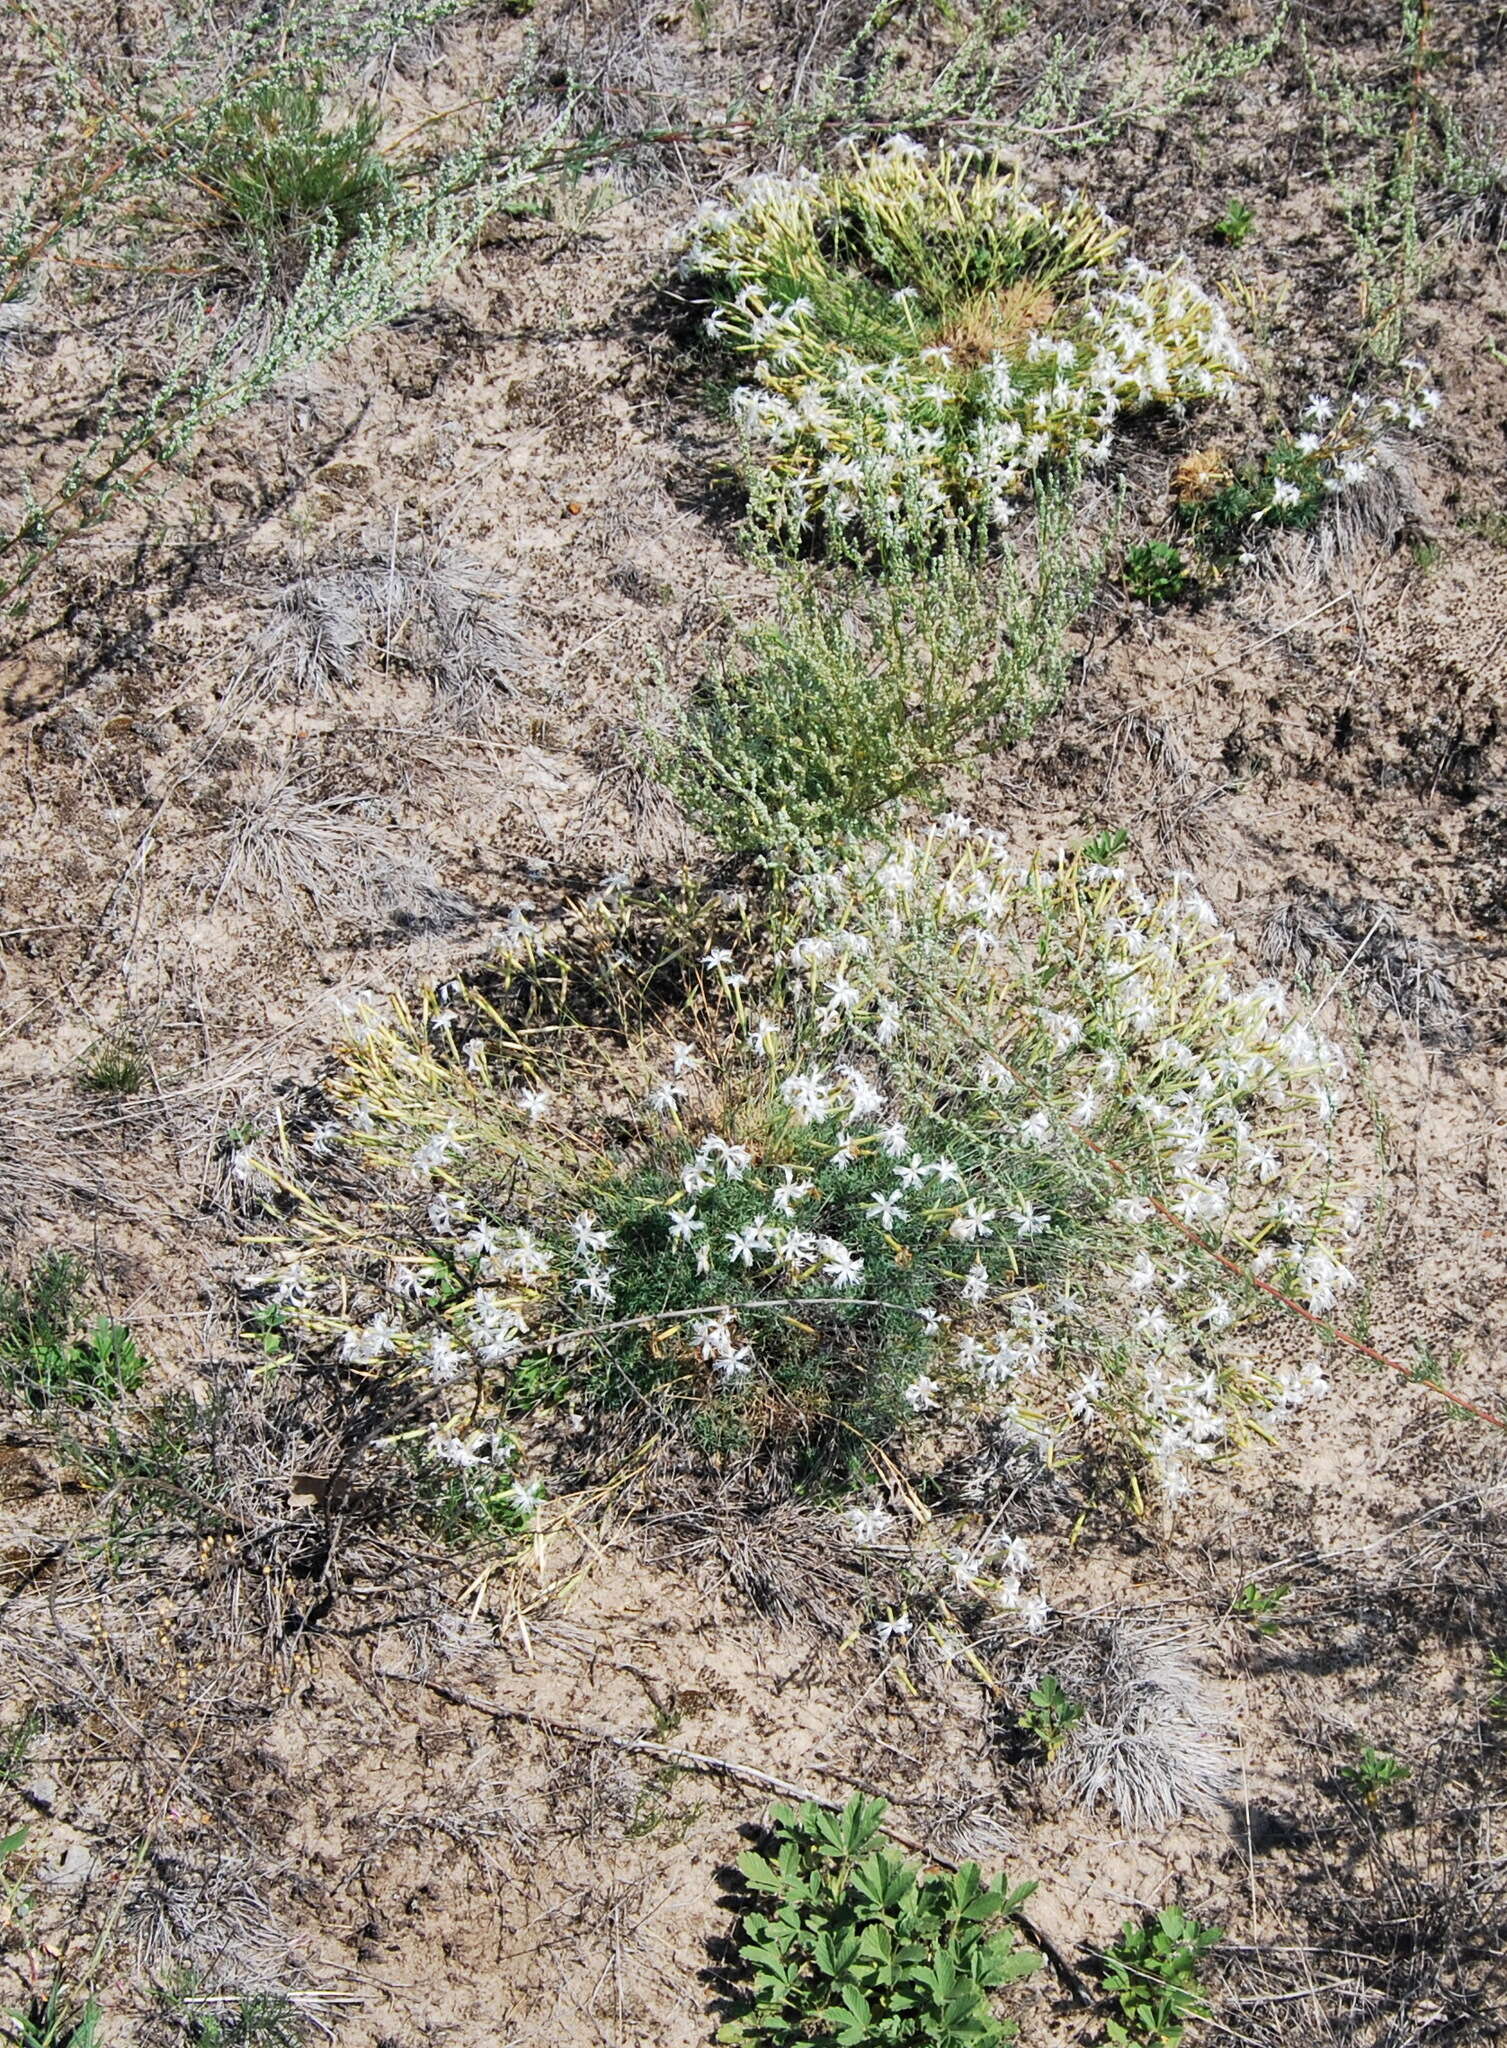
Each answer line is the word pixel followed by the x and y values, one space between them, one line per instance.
pixel 1325 742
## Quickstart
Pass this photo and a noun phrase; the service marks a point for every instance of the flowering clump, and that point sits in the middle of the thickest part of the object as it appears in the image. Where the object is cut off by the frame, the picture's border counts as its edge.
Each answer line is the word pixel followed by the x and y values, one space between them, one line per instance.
pixel 927 334
pixel 1335 452
pixel 938 1137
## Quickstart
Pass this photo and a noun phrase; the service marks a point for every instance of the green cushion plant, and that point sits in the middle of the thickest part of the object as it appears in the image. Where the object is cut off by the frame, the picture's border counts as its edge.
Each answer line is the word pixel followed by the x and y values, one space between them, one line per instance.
pixel 922 328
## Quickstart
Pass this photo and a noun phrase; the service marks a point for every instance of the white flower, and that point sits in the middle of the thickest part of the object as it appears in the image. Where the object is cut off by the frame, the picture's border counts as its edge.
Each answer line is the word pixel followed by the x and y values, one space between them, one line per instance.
pixel 364 1346
pixel 447 1360
pixel 972 1220
pixel 588 1238
pixel 664 1097
pixel 446 1214
pixel 432 1154
pixel 842 1267
pixel 870 1524
pixel 894 1629
pixel 921 1394
pixel 762 1037
pixel 1034 1613
pixel 682 1059
pixel 790 1191
pixel 864 1096
pixel 1029 1221
pixel 536 1103
pixel 975 1288
pixel 1084 1400
pixel 684 1224
pixel 809 1096
pixel 886 1209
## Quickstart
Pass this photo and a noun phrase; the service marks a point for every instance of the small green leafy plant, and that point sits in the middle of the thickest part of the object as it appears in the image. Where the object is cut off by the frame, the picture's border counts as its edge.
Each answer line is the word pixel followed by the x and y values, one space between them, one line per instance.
pixel 1373 1773
pixel 49 1349
pixel 1496 1669
pixel 1051 1716
pixel 1151 1978
pixel 1155 572
pixel 1261 1607
pixel 1234 225
pixel 847 1942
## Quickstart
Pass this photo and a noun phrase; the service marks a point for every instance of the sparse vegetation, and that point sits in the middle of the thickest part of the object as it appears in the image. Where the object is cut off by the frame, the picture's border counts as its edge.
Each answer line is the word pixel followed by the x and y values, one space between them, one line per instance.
pixel 51 1349
pixel 680 1271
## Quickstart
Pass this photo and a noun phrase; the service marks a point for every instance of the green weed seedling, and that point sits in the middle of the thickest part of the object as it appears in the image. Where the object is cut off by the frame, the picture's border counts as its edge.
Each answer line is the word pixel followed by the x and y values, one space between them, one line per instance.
pixel 1496 1669
pixel 1155 572
pixel 1373 1773
pixel 1151 1978
pixel 1051 1716
pixel 848 1943
pixel 50 1351
pixel 1261 1607
pixel 1234 224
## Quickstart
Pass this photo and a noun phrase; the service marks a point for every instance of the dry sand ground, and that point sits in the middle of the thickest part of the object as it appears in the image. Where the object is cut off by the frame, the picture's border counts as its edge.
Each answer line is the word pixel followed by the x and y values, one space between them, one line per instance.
pixel 1331 748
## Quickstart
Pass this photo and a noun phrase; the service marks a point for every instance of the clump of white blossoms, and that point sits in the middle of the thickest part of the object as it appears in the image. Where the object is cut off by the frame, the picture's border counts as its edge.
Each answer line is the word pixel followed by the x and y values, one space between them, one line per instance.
pixel 1335 451
pixel 940 1137
pixel 926 335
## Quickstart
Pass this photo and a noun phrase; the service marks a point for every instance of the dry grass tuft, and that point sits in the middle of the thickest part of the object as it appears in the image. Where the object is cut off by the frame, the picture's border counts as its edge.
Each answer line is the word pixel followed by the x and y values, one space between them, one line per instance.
pixel 1145 1747
pixel 1360 946
pixel 430 611
pixel 327 859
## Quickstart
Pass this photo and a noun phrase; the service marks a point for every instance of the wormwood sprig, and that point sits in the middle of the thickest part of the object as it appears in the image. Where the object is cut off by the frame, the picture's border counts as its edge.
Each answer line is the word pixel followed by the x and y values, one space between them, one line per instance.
pixel 927 333
pixel 879 675
pixel 847 1941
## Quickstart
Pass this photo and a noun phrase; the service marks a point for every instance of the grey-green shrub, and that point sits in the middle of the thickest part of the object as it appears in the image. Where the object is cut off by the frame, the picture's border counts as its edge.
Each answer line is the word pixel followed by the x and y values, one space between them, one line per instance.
pixel 875 678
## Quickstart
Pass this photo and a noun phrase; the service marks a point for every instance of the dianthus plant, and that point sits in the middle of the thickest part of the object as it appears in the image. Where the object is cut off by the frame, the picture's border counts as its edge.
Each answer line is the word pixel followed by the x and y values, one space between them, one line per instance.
pixel 1335 450
pixel 920 1141
pixel 926 333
